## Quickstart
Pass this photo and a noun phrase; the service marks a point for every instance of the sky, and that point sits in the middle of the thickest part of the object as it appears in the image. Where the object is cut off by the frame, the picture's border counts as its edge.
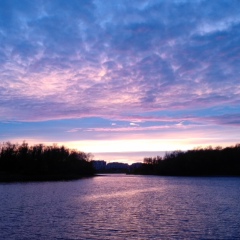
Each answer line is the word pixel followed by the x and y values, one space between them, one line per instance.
pixel 120 79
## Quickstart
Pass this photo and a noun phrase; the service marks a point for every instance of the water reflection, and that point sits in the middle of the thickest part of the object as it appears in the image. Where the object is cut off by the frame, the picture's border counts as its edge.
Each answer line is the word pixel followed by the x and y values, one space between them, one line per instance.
pixel 122 207
pixel 121 194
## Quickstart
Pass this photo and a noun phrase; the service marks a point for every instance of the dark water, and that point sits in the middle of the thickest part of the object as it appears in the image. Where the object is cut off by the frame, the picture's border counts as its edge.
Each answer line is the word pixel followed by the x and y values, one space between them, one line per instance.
pixel 122 207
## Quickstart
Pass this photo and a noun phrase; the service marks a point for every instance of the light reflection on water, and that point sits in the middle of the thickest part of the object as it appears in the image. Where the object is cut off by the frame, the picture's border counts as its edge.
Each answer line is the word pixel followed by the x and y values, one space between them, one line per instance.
pixel 122 207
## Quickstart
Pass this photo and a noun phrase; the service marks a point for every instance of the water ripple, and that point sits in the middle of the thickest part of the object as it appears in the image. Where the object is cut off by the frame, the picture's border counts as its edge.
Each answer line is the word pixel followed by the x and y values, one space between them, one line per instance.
pixel 122 207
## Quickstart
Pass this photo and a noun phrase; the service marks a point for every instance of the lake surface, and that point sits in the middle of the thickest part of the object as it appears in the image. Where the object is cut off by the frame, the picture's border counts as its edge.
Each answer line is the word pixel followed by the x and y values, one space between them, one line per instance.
pixel 122 207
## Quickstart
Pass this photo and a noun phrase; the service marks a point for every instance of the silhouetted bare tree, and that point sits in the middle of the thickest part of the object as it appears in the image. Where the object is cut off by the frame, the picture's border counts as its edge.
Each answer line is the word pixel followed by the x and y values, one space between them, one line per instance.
pixel 196 162
pixel 41 161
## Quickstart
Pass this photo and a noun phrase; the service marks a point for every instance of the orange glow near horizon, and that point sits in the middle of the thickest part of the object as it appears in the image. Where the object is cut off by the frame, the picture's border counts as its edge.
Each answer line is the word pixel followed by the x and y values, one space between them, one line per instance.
pixel 133 144
pixel 136 145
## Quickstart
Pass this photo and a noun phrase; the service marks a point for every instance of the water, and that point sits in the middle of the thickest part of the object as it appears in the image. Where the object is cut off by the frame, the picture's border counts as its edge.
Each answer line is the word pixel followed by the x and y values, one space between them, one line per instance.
pixel 122 207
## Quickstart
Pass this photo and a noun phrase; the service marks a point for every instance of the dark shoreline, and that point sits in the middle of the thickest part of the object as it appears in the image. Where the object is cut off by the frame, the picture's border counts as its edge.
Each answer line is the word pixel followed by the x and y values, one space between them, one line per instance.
pixel 11 178
pixel 190 176
pixel 15 178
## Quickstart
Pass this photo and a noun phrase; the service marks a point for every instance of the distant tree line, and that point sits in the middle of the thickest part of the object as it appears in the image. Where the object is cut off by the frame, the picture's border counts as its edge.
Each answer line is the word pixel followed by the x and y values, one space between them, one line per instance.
pixel 40 162
pixel 198 162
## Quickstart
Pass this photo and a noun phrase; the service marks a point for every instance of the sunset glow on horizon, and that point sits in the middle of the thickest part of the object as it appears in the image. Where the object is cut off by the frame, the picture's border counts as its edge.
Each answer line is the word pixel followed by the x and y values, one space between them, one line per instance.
pixel 120 76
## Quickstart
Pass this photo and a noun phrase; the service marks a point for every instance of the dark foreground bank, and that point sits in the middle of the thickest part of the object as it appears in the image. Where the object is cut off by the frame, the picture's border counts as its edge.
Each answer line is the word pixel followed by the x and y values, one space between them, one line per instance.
pixel 42 163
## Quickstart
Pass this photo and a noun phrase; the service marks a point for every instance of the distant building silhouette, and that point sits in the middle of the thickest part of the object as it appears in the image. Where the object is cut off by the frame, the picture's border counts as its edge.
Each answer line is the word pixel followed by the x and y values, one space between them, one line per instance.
pixel 99 165
pixel 135 165
pixel 117 167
